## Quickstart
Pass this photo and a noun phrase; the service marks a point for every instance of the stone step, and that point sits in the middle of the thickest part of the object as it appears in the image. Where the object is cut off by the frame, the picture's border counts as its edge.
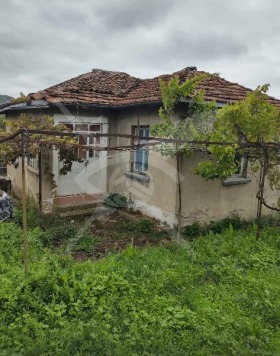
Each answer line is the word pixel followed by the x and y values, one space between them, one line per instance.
pixel 78 206
pixel 96 212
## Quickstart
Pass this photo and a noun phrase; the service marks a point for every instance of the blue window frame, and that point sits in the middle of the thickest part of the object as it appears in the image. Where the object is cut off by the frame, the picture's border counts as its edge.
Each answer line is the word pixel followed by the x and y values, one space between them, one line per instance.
pixel 141 155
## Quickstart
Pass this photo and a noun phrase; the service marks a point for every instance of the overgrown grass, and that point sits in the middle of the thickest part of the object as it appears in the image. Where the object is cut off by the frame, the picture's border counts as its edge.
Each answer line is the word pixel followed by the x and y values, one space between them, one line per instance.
pixel 56 230
pixel 143 226
pixel 219 295
pixel 196 229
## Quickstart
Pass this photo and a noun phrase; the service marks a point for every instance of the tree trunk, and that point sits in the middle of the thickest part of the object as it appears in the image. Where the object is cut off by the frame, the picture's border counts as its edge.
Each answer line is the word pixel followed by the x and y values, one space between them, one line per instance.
pixel 260 195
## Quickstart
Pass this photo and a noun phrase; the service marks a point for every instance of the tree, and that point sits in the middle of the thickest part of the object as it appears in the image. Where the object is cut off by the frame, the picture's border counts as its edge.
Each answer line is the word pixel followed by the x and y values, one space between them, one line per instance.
pixel 253 126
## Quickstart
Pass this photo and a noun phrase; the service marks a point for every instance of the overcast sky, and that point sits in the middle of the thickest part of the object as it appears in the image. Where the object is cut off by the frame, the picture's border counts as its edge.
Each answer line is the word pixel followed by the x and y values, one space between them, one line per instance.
pixel 45 42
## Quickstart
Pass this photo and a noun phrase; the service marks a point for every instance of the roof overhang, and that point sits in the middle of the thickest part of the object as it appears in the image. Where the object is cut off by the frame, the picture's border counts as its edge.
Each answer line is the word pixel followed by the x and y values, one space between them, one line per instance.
pixel 43 104
pixel 33 104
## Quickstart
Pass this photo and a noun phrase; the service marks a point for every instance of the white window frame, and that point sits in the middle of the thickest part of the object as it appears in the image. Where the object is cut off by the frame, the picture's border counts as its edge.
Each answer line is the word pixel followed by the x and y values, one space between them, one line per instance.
pixel 89 140
pixel 33 162
pixel 144 131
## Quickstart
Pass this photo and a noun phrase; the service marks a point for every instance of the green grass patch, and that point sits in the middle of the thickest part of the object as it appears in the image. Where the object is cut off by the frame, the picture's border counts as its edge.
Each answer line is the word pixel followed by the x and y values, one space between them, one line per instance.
pixel 196 229
pixel 218 295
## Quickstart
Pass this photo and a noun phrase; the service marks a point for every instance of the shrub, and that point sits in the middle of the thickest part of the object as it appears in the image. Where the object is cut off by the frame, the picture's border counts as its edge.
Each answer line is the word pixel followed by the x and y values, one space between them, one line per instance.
pixel 217 227
pixel 116 200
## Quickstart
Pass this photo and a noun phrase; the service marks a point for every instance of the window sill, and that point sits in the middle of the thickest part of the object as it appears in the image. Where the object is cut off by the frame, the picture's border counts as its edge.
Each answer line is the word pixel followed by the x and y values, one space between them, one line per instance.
pixel 32 170
pixel 138 176
pixel 236 181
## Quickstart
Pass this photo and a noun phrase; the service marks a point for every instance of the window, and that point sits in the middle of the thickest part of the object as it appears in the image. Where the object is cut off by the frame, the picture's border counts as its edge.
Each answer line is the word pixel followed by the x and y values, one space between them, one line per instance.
pixel 85 140
pixel 33 163
pixel 240 177
pixel 141 154
pixel 242 163
pixel 3 168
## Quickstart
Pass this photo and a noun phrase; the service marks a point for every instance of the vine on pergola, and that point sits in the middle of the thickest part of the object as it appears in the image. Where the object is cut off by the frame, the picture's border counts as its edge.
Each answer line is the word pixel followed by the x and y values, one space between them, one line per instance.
pixel 253 121
pixel 198 114
pixel 11 150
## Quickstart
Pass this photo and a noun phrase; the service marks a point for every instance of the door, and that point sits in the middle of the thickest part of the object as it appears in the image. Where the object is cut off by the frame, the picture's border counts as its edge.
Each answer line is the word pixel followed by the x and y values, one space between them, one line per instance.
pixel 84 177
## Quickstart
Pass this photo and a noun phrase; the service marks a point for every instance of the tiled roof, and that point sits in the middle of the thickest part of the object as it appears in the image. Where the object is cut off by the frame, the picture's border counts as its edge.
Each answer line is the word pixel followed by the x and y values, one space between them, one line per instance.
pixel 116 89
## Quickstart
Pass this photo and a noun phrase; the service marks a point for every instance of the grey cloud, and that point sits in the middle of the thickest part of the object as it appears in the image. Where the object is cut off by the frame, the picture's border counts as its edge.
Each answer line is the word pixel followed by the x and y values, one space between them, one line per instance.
pixel 63 18
pixel 129 14
pixel 210 46
pixel 45 42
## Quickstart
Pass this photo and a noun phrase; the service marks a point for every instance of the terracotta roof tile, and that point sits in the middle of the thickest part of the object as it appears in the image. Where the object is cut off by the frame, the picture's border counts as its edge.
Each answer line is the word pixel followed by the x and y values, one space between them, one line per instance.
pixel 107 88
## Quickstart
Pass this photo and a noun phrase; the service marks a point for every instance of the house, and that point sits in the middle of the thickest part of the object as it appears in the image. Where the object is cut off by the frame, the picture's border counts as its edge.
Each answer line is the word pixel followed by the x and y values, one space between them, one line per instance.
pixel 112 102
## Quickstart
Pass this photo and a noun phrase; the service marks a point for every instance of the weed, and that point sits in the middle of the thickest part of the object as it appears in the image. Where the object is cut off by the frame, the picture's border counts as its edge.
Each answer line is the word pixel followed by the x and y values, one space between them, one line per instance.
pixel 145 227
pixel 131 206
pixel 86 243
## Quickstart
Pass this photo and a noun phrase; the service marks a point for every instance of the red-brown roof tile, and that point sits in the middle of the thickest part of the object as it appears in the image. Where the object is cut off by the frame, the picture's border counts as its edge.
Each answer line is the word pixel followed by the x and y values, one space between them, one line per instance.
pixel 116 89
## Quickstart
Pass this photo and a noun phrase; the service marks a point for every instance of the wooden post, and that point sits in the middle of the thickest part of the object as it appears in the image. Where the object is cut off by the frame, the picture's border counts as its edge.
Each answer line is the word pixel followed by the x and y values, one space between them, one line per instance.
pixel 179 163
pixel 260 196
pixel 40 178
pixel 24 222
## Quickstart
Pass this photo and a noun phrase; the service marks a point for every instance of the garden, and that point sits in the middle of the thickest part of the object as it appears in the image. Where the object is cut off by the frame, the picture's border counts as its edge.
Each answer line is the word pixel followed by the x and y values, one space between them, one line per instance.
pixel 121 286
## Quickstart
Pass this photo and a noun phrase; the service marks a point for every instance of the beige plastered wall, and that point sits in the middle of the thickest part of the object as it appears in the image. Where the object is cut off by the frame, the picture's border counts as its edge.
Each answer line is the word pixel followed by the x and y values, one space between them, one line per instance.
pixel 32 178
pixel 156 197
pixel 205 201
pixel 202 200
